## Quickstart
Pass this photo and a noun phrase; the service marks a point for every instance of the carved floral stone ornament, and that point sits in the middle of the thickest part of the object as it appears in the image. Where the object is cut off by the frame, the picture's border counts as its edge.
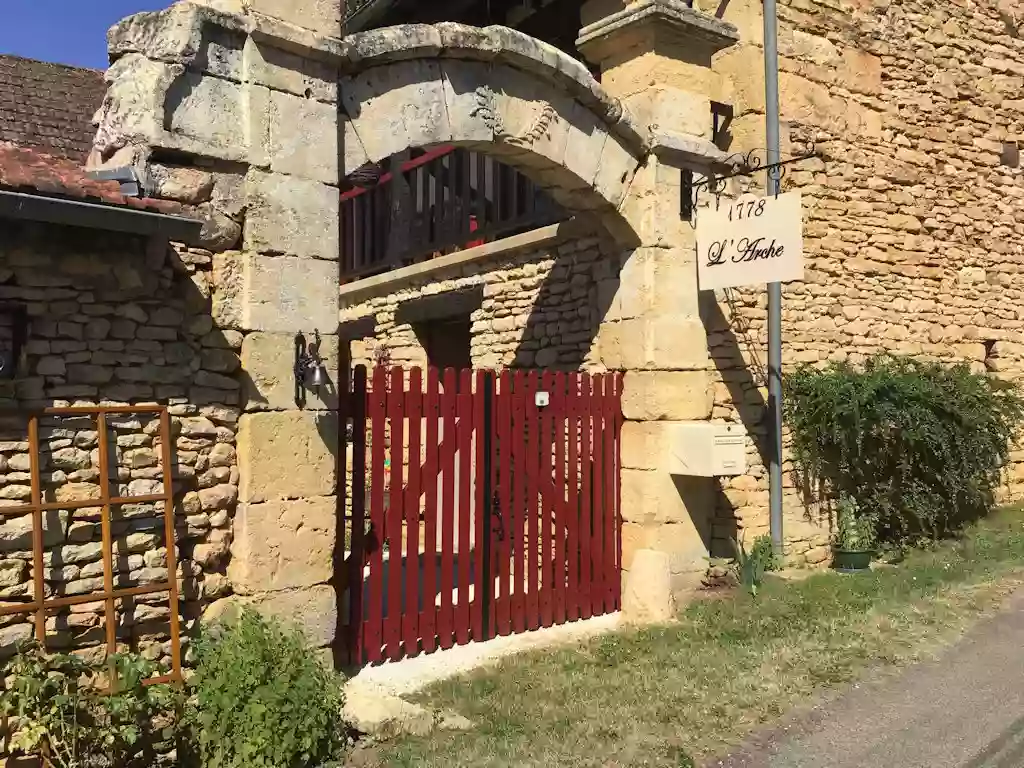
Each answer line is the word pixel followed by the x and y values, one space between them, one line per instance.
pixel 531 121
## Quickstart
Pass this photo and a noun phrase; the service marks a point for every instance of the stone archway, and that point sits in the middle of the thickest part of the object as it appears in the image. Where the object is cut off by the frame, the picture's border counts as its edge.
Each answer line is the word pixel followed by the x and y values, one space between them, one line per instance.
pixel 253 121
pixel 497 90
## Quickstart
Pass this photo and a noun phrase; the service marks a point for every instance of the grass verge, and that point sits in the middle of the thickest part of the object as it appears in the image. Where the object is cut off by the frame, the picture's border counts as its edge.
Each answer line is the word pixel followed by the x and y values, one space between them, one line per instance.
pixel 655 696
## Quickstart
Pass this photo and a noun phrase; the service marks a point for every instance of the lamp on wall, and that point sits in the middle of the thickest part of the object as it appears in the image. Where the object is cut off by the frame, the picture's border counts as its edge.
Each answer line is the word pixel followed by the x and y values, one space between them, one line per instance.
pixel 310 371
pixel 13 332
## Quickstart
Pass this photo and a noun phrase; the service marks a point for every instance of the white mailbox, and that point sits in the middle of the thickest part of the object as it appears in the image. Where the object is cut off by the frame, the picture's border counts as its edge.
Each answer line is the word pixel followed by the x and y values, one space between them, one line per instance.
pixel 701 449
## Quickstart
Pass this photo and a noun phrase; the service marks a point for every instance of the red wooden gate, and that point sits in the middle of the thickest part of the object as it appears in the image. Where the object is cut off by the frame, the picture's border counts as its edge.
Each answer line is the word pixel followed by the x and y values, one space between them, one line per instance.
pixel 472 495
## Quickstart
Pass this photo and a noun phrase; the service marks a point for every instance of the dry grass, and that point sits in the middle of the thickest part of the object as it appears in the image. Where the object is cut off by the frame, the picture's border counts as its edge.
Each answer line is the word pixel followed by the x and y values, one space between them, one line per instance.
pixel 654 697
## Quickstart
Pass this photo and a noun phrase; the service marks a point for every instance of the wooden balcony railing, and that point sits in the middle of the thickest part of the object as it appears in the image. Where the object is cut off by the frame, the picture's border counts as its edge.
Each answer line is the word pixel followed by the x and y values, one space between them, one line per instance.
pixel 444 200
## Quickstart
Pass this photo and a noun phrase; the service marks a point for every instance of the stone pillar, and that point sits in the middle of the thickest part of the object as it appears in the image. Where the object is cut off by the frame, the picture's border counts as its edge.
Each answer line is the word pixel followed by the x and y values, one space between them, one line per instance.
pixel 654 330
pixel 247 91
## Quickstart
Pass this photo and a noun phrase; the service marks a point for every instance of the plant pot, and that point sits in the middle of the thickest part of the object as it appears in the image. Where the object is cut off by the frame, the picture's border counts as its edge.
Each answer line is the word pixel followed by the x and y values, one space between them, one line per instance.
pixel 852 560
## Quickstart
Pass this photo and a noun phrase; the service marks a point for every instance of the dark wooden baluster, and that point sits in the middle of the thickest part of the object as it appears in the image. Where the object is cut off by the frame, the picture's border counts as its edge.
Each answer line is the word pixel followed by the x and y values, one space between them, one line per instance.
pixel 465 194
pixel 481 191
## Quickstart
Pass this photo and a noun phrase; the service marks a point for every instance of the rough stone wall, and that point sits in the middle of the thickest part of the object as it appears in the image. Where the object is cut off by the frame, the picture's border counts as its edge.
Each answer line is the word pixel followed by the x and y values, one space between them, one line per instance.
pixel 911 233
pixel 113 320
pixel 540 309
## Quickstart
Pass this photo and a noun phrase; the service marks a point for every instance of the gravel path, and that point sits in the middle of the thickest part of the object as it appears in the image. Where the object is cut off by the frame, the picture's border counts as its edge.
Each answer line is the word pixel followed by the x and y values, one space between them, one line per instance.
pixel 963 710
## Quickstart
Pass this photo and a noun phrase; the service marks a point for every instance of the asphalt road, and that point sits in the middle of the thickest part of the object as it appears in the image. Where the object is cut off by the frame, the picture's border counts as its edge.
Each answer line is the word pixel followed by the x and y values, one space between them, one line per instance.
pixel 964 710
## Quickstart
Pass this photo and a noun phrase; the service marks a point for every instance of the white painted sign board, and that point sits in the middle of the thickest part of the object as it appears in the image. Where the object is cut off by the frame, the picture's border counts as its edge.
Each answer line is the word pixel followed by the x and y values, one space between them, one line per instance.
pixel 750 241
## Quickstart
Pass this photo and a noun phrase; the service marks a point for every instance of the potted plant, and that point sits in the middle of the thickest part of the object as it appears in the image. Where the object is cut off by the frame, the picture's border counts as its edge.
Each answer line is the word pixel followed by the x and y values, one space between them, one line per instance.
pixel 853 546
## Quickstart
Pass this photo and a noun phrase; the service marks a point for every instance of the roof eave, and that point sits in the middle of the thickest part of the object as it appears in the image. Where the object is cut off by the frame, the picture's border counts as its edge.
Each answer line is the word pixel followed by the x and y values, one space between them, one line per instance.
pixel 111 218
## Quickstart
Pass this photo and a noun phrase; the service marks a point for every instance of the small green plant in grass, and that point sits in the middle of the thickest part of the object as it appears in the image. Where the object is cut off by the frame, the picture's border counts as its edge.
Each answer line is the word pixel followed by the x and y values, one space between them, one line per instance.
pixel 752 566
pixel 918 446
pixel 69 713
pixel 263 699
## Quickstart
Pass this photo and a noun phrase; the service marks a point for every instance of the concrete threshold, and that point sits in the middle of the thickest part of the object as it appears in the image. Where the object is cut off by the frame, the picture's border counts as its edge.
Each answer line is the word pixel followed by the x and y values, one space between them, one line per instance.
pixel 398 678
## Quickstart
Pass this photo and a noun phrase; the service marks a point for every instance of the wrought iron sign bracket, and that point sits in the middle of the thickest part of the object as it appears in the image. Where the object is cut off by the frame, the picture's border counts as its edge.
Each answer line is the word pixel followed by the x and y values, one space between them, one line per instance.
pixel 747 164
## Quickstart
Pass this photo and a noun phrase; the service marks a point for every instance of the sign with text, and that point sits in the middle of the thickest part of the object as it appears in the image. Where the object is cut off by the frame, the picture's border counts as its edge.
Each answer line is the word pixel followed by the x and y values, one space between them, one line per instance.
pixel 750 241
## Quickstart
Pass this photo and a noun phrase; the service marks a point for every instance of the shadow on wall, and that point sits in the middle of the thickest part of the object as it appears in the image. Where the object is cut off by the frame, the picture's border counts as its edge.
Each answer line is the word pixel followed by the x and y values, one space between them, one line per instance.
pixel 731 344
pixel 572 302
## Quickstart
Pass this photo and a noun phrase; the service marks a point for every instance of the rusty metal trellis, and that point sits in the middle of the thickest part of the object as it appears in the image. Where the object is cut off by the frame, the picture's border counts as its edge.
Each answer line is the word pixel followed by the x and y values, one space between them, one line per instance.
pixel 40 604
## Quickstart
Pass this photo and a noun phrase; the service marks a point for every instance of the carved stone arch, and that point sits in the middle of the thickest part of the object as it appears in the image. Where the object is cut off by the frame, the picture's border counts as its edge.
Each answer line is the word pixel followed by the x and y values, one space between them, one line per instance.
pixel 497 91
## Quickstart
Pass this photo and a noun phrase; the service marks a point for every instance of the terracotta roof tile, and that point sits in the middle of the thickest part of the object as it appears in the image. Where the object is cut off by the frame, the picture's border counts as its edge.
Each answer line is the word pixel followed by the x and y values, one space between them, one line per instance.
pixel 31 171
pixel 49 107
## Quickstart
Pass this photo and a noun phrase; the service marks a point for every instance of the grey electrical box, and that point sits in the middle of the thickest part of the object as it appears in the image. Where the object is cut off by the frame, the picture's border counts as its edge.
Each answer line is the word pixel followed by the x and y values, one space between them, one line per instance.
pixel 701 449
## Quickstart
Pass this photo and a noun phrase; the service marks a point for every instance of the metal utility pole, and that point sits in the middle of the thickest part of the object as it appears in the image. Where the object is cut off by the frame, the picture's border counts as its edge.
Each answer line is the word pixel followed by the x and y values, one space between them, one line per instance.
pixel 771 99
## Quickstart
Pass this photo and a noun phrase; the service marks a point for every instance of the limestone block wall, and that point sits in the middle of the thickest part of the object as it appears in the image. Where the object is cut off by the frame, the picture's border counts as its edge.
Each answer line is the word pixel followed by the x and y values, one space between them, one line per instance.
pixel 231 109
pixel 539 308
pixel 911 228
pixel 113 319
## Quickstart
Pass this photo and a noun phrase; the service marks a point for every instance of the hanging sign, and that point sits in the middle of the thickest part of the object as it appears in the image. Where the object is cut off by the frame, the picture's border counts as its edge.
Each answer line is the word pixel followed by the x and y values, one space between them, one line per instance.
pixel 750 241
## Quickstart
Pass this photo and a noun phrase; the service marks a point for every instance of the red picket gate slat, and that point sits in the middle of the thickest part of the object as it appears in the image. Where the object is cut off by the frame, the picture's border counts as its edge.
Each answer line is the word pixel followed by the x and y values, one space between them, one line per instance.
pixel 619 421
pixel 517 516
pixel 558 399
pixel 532 506
pixel 586 469
pixel 357 524
pixel 504 469
pixel 465 484
pixel 573 507
pixel 550 519
pixel 374 622
pixel 446 616
pixel 396 417
pixel 611 507
pixel 547 506
pixel 432 411
pixel 411 612
pixel 481 381
pixel 597 564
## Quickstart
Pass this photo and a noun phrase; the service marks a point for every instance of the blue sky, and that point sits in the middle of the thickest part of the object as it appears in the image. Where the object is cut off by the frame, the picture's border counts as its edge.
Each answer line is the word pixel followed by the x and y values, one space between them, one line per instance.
pixel 67 31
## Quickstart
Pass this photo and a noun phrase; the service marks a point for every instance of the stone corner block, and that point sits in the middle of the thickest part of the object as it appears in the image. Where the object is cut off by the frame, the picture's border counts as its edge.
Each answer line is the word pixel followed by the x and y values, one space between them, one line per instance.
pixel 645 444
pixel 667 395
pixel 274 293
pixel 313 610
pixel 268 364
pixel 304 138
pixel 659 344
pixel 686 548
pixel 281 70
pixel 647 595
pixel 287 455
pixel 394 107
pixel 657 496
pixel 290 215
pixel 323 16
pixel 283 545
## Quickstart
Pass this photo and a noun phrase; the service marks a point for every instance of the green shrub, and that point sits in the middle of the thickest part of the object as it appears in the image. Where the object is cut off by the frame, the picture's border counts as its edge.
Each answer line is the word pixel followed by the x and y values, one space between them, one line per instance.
pixel 917 446
pixel 262 698
pixel 72 714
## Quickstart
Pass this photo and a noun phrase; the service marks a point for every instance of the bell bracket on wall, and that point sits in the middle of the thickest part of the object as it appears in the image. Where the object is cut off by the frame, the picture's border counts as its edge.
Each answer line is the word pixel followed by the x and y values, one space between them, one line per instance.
pixel 310 371
pixel 13 334
pixel 739 164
